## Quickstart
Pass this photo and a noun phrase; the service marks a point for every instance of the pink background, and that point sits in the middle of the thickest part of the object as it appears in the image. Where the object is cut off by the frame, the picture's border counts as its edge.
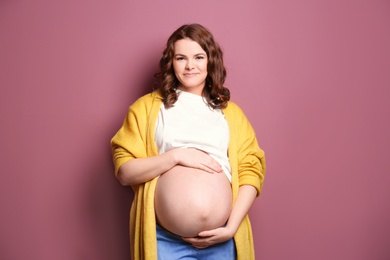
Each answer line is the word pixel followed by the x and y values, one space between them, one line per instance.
pixel 312 76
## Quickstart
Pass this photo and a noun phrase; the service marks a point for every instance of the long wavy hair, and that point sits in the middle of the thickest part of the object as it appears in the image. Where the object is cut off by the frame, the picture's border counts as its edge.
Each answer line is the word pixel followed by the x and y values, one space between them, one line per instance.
pixel 214 92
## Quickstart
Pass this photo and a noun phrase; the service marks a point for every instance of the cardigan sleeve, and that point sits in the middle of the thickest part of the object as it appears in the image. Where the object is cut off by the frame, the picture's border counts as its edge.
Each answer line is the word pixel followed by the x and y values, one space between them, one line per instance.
pixel 251 159
pixel 130 141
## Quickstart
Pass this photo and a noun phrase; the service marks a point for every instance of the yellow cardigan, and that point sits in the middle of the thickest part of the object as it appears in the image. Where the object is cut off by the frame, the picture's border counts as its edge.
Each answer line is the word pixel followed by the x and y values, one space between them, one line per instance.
pixel 135 139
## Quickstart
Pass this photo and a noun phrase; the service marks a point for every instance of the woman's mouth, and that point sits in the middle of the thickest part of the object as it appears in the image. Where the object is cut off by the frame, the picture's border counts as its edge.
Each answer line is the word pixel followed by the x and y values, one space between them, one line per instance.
pixel 190 74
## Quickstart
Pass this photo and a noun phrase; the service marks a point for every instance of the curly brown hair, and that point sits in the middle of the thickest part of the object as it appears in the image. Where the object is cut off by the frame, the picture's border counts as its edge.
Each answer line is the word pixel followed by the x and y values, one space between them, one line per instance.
pixel 215 93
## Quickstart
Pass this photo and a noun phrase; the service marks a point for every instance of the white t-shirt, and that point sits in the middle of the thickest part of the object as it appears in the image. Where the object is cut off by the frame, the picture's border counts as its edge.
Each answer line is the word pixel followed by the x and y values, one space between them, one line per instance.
pixel 192 123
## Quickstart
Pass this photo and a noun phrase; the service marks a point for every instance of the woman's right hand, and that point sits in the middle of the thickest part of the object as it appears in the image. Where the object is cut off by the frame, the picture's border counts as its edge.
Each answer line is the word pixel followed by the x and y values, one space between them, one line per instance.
pixel 198 159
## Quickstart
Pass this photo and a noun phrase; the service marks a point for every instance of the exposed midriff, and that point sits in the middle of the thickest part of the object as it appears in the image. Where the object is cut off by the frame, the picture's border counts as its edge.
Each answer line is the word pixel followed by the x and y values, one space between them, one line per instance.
pixel 188 200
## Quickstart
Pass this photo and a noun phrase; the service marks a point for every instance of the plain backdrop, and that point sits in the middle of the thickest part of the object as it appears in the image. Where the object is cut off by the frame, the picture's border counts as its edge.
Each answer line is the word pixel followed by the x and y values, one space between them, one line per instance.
pixel 312 76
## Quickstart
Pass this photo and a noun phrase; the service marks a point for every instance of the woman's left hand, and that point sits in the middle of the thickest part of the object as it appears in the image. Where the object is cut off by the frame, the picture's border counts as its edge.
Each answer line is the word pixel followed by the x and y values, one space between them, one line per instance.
pixel 210 237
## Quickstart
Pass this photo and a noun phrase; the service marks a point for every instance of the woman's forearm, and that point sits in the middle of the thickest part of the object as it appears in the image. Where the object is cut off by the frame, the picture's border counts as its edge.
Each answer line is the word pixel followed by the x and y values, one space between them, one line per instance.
pixel 141 170
pixel 245 198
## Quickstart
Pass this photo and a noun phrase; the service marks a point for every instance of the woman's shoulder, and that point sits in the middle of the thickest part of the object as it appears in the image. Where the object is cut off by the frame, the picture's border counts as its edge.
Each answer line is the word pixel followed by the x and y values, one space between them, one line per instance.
pixel 150 97
pixel 232 107
pixel 147 100
pixel 234 113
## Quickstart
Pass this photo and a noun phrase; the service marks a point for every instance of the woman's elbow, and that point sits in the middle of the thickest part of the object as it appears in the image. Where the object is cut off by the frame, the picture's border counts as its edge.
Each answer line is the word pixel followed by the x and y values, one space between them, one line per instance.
pixel 122 178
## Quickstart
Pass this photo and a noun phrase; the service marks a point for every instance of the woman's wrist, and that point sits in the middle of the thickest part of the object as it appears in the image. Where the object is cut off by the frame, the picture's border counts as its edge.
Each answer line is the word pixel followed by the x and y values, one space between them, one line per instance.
pixel 173 156
pixel 231 229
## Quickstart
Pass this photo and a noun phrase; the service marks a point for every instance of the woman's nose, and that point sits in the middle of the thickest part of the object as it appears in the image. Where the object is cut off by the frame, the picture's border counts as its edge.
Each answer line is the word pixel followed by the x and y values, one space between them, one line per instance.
pixel 189 64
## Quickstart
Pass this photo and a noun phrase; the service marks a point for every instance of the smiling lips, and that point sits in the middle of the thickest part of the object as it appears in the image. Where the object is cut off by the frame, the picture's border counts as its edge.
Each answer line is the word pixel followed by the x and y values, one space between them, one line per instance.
pixel 190 74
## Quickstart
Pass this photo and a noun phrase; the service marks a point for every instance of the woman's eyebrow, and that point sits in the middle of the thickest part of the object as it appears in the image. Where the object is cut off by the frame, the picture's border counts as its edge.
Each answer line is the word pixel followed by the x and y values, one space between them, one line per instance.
pixel 197 54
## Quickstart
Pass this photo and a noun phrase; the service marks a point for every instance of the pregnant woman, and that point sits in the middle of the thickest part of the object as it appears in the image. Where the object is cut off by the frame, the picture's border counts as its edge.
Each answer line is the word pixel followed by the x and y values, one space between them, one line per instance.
pixel 191 157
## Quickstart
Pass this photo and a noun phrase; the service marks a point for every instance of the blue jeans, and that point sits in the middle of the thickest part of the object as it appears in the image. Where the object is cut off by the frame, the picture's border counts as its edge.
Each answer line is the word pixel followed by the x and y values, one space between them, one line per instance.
pixel 172 247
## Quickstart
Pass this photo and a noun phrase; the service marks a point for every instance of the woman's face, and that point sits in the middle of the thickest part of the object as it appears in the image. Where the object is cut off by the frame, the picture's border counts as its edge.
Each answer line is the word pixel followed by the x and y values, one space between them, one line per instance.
pixel 190 66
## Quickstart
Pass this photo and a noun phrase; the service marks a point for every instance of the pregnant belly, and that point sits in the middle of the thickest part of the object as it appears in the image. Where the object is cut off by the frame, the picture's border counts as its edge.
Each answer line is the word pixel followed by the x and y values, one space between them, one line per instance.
pixel 189 200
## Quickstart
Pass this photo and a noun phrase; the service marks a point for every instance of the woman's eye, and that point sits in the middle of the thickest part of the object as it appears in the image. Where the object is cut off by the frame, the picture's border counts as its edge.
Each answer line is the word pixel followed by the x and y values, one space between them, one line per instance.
pixel 179 58
pixel 200 58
